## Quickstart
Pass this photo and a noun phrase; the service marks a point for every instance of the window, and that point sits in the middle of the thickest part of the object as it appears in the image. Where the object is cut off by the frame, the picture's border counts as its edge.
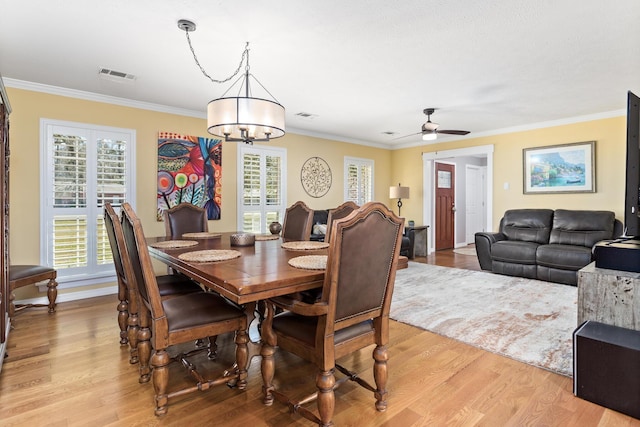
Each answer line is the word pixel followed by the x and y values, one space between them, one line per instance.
pixel 358 183
pixel 261 186
pixel 83 166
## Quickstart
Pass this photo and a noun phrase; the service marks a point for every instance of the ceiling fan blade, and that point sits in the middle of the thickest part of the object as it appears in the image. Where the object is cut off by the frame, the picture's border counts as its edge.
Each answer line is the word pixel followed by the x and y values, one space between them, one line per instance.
pixel 453 132
pixel 406 136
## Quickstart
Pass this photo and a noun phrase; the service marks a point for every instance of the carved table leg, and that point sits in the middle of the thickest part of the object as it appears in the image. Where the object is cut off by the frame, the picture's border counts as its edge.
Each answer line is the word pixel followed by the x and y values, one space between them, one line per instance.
pixel 267 366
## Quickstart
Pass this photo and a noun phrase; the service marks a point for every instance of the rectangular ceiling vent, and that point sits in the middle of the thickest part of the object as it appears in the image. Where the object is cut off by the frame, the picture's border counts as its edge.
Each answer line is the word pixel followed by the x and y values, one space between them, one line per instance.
pixel 306 116
pixel 115 76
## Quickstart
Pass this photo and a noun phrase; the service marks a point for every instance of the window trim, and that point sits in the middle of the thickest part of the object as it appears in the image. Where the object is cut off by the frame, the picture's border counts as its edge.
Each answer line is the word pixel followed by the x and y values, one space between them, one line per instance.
pixel 262 150
pixel 89 278
pixel 359 162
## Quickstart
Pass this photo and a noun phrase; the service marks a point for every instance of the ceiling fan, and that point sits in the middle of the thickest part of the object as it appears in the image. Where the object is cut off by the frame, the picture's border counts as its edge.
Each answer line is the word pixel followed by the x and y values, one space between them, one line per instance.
pixel 430 129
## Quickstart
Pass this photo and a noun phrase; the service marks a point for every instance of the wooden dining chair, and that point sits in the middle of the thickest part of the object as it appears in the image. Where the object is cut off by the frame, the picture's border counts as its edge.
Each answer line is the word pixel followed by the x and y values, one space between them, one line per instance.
pixel 168 285
pixel 353 312
pixel 340 212
pixel 298 221
pixel 26 275
pixel 185 218
pixel 177 320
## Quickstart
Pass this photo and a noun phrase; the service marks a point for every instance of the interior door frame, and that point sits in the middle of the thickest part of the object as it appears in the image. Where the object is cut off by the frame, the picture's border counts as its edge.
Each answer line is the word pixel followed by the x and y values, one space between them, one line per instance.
pixel 428 180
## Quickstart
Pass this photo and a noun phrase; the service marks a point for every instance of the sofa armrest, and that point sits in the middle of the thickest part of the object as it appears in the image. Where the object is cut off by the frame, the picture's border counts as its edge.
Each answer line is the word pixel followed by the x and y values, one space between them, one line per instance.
pixel 484 240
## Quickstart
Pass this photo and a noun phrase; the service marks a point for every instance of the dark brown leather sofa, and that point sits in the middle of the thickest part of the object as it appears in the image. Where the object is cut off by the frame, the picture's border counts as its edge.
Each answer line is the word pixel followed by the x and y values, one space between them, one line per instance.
pixel 545 244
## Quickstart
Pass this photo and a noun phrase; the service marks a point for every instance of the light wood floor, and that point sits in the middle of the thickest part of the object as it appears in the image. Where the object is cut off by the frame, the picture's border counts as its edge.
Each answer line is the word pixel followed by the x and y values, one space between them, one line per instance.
pixel 68 369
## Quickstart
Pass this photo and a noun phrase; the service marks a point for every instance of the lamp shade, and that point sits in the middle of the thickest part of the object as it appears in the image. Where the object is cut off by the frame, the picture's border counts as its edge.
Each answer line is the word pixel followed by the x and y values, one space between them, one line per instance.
pixel 398 192
pixel 237 117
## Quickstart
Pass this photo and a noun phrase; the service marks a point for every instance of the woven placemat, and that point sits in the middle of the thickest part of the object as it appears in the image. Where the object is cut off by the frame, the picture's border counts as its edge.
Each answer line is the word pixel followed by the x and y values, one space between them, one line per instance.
pixel 263 237
pixel 201 235
pixel 209 255
pixel 173 244
pixel 305 246
pixel 309 262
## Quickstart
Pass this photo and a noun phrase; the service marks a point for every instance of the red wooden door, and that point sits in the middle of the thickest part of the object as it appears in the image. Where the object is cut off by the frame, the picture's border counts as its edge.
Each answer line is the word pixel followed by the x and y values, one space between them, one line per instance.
pixel 445 205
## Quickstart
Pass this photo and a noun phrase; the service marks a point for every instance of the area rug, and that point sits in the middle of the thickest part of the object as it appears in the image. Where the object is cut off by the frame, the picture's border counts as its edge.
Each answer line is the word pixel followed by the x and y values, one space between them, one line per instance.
pixel 465 251
pixel 527 320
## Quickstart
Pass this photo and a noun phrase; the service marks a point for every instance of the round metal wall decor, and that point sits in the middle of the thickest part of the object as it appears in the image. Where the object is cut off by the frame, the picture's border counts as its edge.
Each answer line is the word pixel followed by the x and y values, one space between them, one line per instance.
pixel 315 177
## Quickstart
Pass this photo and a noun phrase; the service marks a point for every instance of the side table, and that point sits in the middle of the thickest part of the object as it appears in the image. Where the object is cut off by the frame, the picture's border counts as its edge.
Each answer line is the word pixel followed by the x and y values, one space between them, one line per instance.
pixel 417 240
pixel 608 296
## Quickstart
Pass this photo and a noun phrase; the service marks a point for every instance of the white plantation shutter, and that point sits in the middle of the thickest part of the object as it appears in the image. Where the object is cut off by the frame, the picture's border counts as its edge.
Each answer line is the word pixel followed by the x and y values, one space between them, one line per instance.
pixel 83 166
pixel 359 180
pixel 262 184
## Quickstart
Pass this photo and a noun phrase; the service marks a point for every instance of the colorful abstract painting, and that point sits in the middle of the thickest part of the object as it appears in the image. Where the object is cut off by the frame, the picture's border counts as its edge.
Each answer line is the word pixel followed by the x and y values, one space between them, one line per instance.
pixel 189 170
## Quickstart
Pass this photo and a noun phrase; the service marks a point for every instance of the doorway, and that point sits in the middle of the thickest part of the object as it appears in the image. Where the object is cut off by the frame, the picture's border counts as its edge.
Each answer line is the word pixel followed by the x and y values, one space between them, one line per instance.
pixel 475 200
pixel 484 152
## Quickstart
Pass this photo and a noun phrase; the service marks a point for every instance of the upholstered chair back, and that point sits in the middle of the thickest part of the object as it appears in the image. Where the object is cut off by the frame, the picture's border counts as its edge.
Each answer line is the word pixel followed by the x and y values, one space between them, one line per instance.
pixel 340 212
pixel 298 221
pixel 185 218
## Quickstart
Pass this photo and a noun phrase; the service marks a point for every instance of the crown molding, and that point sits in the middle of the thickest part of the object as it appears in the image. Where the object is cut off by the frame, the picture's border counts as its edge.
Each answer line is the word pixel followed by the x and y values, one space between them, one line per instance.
pixel 523 128
pixel 96 97
pixel 91 96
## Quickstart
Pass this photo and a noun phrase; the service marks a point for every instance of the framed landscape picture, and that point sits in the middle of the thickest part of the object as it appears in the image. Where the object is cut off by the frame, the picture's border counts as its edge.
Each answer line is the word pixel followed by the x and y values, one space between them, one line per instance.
pixel 566 168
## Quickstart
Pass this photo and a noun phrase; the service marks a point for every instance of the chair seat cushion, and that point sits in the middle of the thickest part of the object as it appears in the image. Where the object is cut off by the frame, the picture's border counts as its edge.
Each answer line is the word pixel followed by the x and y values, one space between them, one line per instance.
pixel 564 257
pixel 303 328
pixel 514 251
pixel 17 272
pixel 201 308
pixel 176 284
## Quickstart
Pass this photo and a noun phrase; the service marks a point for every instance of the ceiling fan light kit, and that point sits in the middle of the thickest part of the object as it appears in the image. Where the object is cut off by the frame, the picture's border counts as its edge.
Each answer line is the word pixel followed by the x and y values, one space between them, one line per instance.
pixel 430 129
pixel 240 118
pixel 429 135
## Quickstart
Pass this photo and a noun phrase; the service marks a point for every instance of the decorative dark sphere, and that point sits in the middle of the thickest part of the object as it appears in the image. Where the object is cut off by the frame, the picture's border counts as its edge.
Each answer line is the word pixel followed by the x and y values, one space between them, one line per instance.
pixel 275 227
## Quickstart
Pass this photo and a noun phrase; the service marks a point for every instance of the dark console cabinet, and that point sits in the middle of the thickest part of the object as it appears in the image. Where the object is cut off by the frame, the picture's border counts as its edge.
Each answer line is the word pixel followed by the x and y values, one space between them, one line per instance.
pixel 606 366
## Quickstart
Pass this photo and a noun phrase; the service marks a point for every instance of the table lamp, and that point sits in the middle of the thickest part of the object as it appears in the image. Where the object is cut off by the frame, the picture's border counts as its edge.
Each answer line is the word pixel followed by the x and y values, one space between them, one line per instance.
pixel 399 192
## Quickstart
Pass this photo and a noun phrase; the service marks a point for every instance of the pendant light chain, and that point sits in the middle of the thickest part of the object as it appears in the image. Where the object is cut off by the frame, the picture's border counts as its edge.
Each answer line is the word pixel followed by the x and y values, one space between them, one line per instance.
pixel 235 73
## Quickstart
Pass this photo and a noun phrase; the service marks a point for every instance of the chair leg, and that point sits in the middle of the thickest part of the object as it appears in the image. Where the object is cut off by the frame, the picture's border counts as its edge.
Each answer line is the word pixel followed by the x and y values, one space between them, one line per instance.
pixel 380 356
pixel 159 362
pixel 212 348
pixel 132 331
pixel 52 294
pixel 325 382
pixel 123 314
pixel 144 348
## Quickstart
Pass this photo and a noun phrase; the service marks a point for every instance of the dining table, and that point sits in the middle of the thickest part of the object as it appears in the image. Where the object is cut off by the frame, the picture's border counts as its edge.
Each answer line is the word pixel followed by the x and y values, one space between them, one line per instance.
pixel 261 270
pixel 257 272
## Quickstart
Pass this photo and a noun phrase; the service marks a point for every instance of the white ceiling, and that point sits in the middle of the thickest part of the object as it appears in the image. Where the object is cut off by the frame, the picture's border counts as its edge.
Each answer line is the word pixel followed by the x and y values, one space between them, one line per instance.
pixel 363 67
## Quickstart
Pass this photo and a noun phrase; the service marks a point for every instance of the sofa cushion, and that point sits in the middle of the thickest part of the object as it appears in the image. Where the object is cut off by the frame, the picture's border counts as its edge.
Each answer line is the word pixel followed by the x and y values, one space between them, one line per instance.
pixel 514 251
pixel 568 277
pixel 528 225
pixel 319 218
pixel 582 228
pixel 563 257
pixel 520 270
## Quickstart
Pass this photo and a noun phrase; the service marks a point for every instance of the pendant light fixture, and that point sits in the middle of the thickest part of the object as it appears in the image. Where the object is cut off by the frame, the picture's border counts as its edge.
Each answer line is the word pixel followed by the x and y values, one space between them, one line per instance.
pixel 243 117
